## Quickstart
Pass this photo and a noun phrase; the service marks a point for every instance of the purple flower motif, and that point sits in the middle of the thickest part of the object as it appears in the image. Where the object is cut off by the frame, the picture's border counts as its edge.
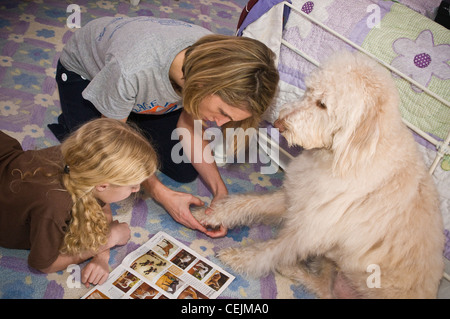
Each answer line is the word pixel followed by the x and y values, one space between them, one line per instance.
pixel 145 12
pixel 420 59
pixel 224 15
pixel 316 9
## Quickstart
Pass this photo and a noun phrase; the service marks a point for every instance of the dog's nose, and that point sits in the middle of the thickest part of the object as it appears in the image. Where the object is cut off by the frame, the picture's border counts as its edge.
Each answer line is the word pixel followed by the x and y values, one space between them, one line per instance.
pixel 279 124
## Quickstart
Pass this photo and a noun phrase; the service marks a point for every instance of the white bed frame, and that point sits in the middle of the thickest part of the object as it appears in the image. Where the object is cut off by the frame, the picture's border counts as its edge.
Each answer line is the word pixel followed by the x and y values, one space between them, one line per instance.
pixel 442 148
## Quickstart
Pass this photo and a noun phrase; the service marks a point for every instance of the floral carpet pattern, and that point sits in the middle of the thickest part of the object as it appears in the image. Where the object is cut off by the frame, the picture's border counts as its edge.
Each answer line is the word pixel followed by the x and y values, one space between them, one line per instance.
pixel 32 35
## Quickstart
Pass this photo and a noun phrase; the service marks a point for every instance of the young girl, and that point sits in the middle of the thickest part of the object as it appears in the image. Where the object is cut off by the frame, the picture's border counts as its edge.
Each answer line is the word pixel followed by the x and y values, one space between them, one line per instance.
pixel 55 201
pixel 163 74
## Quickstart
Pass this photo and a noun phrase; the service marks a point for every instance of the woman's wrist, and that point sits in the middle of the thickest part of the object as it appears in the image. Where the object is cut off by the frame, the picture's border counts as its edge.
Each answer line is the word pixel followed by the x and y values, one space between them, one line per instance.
pixel 155 188
pixel 219 190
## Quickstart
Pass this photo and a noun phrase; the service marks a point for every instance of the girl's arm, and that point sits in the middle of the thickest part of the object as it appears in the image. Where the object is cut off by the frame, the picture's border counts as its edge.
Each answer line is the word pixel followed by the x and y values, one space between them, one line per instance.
pixel 96 272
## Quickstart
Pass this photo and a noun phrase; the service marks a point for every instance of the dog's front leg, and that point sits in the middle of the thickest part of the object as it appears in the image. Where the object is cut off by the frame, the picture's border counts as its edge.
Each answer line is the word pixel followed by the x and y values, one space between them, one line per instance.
pixel 244 209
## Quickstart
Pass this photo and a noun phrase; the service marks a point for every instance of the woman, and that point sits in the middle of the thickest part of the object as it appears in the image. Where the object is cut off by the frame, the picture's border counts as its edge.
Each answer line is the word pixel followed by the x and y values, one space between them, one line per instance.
pixel 55 201
pixel 163 74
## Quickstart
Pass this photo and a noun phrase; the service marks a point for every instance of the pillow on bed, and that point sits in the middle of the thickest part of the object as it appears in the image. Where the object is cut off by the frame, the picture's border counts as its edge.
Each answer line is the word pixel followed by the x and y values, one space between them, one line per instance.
pixel 426 7
pixel 405 39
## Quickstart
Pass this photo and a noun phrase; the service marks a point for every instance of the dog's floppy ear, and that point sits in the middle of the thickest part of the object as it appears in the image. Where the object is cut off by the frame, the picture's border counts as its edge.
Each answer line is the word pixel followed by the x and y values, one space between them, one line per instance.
pixel 354 145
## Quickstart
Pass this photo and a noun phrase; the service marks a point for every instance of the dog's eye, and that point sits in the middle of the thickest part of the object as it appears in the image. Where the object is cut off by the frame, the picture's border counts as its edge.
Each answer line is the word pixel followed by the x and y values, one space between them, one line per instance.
pixel 320 104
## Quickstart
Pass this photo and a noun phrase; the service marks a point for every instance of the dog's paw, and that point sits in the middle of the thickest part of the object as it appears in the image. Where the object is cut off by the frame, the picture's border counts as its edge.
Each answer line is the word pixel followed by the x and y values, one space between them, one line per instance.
pixel 199 213
pixel 240 261
pixel 234 258
pixel 210 220
pixel 250 260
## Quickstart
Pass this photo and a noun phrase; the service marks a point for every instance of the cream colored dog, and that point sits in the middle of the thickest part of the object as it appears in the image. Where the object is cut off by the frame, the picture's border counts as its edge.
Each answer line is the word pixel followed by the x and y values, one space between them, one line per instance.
pixel 358 212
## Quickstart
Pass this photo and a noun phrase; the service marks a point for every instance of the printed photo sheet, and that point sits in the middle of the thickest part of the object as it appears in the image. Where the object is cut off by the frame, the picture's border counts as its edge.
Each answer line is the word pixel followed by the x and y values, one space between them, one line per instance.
pixel 163 268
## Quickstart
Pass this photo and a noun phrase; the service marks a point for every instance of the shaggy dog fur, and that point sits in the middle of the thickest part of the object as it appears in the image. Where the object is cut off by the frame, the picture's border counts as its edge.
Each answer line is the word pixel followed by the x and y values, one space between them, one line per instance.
pixel 359 214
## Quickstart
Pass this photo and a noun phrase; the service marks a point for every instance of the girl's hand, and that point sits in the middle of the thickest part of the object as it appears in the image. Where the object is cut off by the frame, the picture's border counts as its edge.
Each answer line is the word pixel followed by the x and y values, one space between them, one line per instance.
pixel 120 233
pixel 97 271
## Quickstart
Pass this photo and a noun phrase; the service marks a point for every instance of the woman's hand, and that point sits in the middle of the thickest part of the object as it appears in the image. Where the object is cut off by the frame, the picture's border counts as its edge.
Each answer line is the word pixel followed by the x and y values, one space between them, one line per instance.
pixel 177 205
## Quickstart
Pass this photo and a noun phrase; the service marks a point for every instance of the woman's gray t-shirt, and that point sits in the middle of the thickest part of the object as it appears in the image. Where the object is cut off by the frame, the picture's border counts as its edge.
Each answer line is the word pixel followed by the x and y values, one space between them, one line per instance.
pixel 127 61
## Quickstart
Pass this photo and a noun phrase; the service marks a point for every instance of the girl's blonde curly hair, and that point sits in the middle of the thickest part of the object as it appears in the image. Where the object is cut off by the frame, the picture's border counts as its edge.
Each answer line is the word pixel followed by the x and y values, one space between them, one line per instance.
pixel 101 151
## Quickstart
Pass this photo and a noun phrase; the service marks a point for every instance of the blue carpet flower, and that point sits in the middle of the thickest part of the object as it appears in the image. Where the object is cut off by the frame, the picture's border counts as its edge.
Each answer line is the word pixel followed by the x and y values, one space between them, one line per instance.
pixel 45 33
pixel 17 290
pixel 38 54
pixel 55 13
pixel 4 23
pixel 25 80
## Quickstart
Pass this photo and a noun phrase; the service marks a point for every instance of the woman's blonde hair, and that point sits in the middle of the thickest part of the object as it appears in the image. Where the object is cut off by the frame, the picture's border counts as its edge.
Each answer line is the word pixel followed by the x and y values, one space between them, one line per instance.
pixel 101 151
pixel 240 70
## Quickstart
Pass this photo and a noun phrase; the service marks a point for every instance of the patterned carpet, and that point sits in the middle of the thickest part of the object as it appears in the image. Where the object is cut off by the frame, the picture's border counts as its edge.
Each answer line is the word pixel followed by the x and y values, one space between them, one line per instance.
pixel 32 35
